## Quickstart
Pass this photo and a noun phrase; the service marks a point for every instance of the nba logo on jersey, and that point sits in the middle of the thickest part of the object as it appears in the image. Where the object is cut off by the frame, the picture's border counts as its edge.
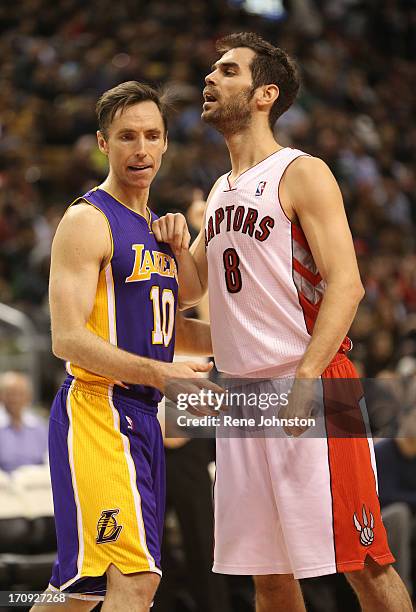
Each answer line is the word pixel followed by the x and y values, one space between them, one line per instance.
pixel 260 188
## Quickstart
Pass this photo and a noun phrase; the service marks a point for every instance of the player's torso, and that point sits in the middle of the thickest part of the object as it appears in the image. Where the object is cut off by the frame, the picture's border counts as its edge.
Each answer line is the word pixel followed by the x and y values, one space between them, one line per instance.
pixel 258 325
pixel 136 297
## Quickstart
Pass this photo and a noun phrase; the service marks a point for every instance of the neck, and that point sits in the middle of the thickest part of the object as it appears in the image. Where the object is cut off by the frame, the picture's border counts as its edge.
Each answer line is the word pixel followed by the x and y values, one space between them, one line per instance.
pixel 16 421
pixel 250 147
pixel 134 198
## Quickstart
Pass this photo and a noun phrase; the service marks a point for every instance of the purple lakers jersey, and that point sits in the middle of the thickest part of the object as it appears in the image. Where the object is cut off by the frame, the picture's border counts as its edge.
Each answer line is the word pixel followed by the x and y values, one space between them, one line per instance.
pixel 136 299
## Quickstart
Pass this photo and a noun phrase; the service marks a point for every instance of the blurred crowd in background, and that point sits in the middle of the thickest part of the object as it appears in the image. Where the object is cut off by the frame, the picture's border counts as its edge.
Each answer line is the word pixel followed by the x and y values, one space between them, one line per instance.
pixel 356 111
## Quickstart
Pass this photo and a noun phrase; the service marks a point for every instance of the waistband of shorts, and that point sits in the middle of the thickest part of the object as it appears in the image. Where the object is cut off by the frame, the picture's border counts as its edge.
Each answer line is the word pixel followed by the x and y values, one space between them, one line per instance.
pixel 339 357
pixel 114 392
pixel 280 371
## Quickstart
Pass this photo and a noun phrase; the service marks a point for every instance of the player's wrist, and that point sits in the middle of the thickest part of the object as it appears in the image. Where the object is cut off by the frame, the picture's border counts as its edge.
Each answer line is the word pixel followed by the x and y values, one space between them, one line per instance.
pixel 154 375
pixel 305 371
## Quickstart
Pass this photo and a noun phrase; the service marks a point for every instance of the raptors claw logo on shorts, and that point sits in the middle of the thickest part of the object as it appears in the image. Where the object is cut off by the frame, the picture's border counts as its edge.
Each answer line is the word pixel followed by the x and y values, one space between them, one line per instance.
pixel 107 528
pixel 366 531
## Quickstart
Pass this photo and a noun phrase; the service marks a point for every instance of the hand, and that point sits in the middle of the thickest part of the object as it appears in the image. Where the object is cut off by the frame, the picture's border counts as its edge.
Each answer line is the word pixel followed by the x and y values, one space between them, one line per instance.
pixel 187 378
pixel 172 229
pixel 303 403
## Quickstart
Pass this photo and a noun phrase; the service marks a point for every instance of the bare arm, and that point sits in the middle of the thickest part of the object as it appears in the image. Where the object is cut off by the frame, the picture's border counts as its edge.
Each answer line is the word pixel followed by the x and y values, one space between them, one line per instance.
pixel 198 250
pixel 81 247
pixel 193 337
pixel 310 192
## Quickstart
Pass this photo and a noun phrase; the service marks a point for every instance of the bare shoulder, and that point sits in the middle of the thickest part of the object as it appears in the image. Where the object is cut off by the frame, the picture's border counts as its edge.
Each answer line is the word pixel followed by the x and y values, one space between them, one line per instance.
pixel 84 228
pixel 84 215
pixel 309 169
pixel 309 185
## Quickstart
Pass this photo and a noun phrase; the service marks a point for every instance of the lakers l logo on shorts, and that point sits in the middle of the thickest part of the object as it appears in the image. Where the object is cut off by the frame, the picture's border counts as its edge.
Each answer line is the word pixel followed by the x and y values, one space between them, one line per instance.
pixel 107 528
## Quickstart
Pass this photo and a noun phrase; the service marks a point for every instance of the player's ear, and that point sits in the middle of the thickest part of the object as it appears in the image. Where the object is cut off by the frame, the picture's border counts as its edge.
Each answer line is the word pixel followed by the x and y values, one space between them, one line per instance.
pixel 165 146
pixel 102 143
pixel 267 95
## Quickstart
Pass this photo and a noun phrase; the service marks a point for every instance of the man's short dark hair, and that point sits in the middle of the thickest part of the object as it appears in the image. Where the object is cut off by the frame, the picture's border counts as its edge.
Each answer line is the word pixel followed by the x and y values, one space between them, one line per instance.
pixel 271 65
pixel 124 95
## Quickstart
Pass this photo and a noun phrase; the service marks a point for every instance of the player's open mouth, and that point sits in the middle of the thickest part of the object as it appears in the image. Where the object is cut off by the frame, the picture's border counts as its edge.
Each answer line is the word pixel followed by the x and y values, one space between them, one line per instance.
pixel 208 96
pixel 138 168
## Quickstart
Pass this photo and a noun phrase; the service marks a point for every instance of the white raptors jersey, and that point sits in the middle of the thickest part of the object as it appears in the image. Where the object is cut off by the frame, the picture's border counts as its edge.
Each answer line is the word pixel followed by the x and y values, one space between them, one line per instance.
pixel 264 287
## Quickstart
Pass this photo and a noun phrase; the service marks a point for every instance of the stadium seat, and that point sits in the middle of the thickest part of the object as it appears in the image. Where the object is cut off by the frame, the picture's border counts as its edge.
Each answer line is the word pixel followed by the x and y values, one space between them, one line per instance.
pixel 27 530
pixel 28 571
pixel 11 503
pixel 34 486
pixel 14 527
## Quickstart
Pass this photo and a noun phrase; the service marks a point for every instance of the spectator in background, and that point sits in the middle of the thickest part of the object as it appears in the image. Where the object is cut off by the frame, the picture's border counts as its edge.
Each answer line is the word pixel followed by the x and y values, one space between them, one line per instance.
pixel 396 463
pixel 23 434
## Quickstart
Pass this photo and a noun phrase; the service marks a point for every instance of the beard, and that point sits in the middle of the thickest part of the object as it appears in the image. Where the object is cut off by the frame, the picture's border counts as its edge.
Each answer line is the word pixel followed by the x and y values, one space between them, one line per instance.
pixel 234 116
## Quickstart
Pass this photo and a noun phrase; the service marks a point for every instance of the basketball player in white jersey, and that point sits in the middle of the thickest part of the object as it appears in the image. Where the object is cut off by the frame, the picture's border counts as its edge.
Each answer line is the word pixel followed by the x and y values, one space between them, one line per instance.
pixel 277 255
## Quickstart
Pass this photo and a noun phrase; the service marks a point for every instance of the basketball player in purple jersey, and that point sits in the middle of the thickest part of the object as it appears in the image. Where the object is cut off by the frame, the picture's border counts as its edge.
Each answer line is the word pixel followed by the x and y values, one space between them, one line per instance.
pixel 277 256
pixel 113 297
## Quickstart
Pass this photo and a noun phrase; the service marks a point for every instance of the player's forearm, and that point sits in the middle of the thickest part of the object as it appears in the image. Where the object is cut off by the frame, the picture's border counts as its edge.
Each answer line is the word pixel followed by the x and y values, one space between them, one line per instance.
pixel 331 326
pixel 193 338
pixel 191 289
pixel 89 351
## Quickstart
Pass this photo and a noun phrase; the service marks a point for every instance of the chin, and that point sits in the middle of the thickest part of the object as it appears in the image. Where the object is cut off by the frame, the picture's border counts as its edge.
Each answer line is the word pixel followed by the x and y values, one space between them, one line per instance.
pixel 140 183
pixel 208 117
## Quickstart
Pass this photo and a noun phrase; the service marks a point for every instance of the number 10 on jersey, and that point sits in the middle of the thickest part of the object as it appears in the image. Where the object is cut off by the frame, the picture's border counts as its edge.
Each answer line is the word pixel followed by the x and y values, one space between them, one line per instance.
pixel 163 315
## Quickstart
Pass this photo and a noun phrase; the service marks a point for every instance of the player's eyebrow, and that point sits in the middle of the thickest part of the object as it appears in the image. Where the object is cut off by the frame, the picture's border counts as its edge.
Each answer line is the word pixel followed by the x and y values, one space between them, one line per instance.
pixel 224 65
pixel 128 130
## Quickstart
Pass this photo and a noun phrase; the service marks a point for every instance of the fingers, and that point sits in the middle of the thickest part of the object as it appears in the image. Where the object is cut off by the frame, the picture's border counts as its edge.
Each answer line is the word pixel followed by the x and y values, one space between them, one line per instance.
pixel 172 229
pixel 294 432
pixel 201 410
pixel 196 396
pixel 178 228
pixel 160 229
pixel 156 229
pixel 186 239
pixel 200 367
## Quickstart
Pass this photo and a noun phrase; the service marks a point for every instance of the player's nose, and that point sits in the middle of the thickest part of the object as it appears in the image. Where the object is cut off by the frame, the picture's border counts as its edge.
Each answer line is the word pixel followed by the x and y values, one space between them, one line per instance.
pixel 140 148
pixel 209 79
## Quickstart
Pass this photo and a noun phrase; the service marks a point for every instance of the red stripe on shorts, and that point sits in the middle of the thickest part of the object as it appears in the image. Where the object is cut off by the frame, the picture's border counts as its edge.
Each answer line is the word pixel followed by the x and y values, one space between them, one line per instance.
pixel 353 484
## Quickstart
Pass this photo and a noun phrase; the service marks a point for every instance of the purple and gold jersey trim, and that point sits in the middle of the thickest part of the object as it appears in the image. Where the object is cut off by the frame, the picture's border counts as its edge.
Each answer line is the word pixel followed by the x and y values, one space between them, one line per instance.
pixel 136 297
